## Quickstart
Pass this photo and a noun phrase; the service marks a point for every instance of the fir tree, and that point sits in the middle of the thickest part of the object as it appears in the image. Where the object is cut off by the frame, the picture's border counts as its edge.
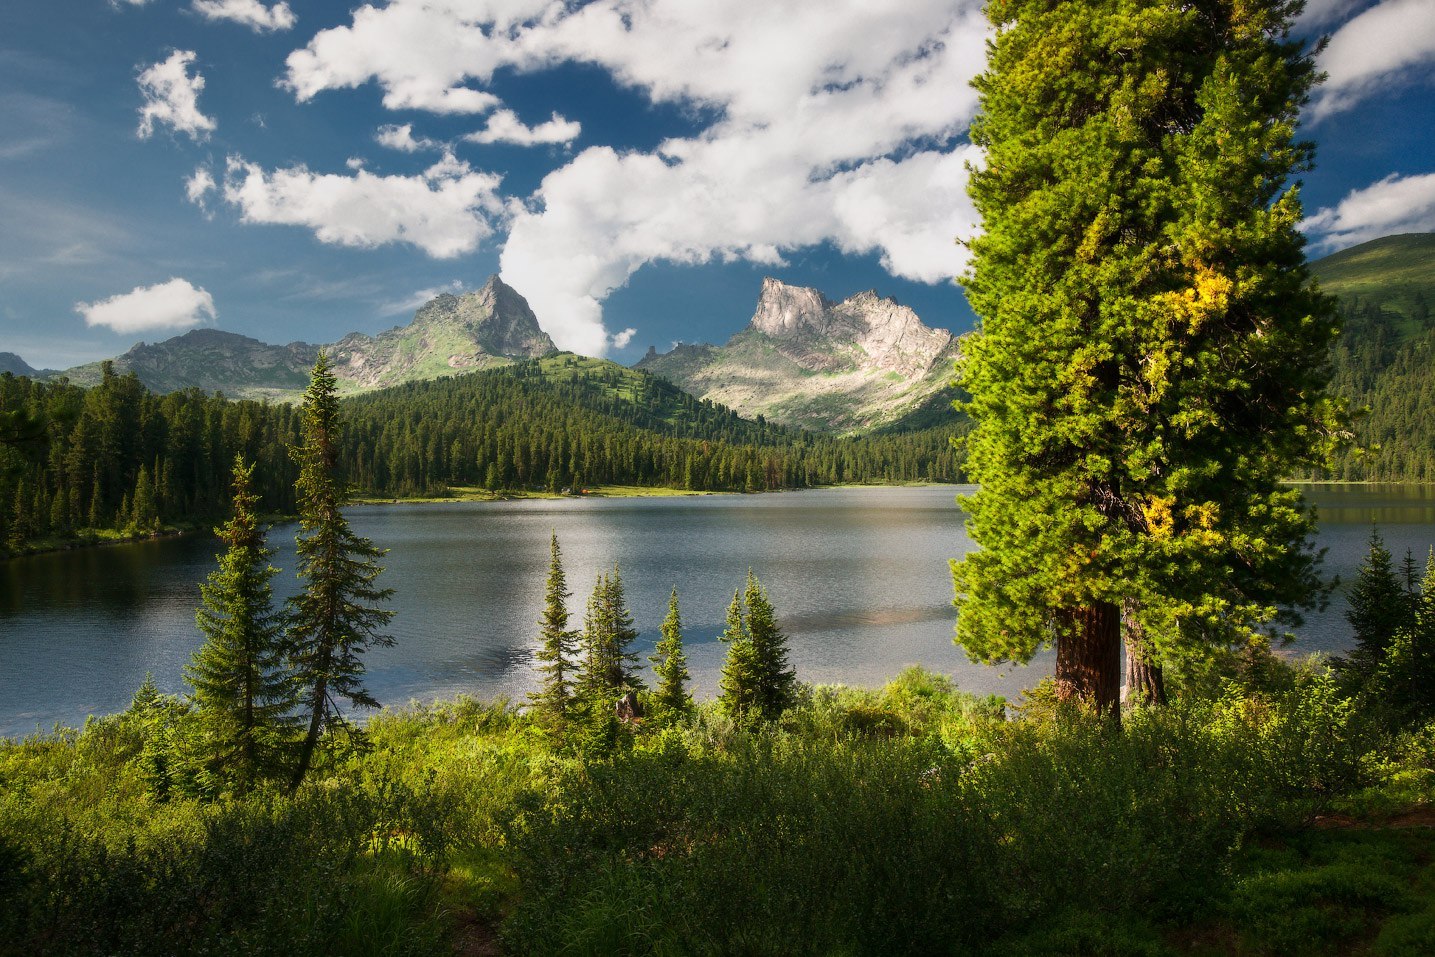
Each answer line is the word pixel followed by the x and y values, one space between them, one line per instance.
pixel 1402 682
pixel 756 682
pixel 334 619
pixel 609 668
pixel 242 691
pixel 558 643
pixel 1151 361
pixel 670 665
pixel 1381 604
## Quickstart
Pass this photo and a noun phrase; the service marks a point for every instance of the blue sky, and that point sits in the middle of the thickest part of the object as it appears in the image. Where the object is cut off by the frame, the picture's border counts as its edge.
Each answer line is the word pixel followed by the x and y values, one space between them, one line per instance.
pixel 633 167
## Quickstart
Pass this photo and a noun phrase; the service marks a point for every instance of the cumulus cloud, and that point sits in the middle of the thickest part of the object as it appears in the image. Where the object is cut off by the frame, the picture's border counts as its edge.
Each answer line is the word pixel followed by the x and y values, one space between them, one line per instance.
pixel 835 122
pixel 171 97
pixel 168 305
pixel 402 138
pixel 504 126
pixel 1391 44
pixel 445 210
pixel 1318 13
pixel 621 339
pixel 250 13
pixel 1395 204
pixel 199 185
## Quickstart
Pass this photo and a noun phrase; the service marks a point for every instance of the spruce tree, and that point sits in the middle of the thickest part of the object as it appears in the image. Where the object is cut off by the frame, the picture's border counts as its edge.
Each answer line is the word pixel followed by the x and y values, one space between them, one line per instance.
pixel 609 667
pixel 1381 604
pixel 334 619
pixel 553 699
pixel 242 691
pixel 756 681
pixel 670 665
pixel 1151 359
pixel 1402 682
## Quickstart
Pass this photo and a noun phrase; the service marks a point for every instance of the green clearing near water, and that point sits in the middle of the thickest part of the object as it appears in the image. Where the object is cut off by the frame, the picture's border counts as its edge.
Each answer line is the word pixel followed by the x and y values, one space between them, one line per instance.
pixel 914 819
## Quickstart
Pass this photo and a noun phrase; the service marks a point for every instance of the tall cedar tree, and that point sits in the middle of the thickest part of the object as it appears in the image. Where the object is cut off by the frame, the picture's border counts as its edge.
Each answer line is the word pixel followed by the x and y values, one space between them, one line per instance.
pixel 756 681
pixel 1151 360
pixel 1381 604
pixel 670 665
pixel 333 620
pixel 242 689
pixel 609 668
pixel 559 645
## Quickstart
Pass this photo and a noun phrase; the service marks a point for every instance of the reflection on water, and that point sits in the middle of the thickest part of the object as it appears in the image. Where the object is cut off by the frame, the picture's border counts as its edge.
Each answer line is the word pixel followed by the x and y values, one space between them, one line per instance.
pixel 858 576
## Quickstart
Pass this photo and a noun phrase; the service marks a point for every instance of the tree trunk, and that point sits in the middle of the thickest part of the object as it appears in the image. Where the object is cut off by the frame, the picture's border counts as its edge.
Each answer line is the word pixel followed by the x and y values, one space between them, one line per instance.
pixel 1144 679
pixel 1088 657
pixel 311 739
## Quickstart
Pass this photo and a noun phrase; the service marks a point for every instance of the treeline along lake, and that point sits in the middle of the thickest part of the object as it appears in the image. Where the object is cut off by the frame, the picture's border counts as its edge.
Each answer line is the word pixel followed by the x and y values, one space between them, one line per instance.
pixel 858 577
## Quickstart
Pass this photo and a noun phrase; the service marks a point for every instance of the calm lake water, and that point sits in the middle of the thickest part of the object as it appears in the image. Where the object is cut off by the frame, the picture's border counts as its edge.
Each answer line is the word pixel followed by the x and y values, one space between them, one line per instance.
pixel 858 578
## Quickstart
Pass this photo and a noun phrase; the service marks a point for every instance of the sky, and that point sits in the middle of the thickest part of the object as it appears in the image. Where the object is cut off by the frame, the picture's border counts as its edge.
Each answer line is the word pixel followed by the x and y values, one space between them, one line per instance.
pixel 300 170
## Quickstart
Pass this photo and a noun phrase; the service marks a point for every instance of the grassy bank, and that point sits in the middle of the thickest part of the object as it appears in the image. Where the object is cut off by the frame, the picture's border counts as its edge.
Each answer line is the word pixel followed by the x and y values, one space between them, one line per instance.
pixel 914 819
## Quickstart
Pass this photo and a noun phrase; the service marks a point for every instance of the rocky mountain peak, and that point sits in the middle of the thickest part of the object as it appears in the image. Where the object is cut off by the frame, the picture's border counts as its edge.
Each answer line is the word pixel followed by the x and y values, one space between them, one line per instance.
pixel 785 311
pixel 494 317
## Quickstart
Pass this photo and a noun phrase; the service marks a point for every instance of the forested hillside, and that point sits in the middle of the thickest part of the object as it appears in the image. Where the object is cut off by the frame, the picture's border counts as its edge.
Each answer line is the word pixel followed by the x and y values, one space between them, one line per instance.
pixel 1384 360
pixel 118 459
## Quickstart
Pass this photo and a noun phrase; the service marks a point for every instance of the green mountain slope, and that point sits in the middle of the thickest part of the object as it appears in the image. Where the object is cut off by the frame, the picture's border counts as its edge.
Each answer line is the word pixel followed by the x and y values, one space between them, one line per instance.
pixel 1384 361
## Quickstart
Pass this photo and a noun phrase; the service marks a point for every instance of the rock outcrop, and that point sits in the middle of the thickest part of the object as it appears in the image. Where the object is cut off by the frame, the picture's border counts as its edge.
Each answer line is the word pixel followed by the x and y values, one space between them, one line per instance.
pixel 804 360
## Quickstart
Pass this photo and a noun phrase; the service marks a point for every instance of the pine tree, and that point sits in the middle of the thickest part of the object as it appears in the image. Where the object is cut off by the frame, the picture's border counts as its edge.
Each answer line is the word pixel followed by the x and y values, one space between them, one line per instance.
pixel 609 668
pixel 242 691
pixel 670 665
pixel 558 644
pixel 1380 606
pixel 1401 686
pixel 756 682
pixel 1151 361
pixel 334 619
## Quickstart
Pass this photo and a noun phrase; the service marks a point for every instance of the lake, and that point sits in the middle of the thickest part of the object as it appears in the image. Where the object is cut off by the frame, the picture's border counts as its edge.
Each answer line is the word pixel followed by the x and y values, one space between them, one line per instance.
pixel 858 578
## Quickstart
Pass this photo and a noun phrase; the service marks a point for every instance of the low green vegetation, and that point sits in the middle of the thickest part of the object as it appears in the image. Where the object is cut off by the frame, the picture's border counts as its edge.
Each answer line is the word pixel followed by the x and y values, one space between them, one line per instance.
pixel 910 819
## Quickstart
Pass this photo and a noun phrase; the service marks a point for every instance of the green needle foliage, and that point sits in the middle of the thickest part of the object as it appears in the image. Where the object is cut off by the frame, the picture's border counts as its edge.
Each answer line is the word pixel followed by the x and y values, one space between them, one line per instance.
pixel 756 681
pixel 554 696
pixel 1152 356
pixel 670 665
pixel 242 689
pixel 334 619
pixel 1382 602
pixel 609 667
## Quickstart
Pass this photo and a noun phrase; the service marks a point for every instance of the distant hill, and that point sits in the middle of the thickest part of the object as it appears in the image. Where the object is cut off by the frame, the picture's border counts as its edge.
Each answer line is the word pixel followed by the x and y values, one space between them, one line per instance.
pixel 836 367
pixel 490 327
pixel 13 364
pixel 1392 274
pixel 1384 360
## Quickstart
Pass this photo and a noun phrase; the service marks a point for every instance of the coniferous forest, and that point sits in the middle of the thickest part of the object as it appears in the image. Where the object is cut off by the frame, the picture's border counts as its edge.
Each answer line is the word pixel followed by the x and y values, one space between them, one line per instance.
pixel 117 459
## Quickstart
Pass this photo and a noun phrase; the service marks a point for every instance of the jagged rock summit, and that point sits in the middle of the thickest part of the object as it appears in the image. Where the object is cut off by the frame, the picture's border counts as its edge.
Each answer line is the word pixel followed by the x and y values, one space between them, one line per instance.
pixel 804 360
pixel 477 330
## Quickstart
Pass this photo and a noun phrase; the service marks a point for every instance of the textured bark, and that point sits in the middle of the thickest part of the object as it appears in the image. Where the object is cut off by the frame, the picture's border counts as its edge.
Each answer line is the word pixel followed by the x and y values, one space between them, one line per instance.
pixel 1144 679
pixel 1088 657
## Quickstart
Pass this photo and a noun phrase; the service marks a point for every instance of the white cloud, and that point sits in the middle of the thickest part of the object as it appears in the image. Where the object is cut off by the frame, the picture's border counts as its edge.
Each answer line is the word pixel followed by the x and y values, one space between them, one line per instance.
pixel 504 126
pixel 445 210
pixel 168 305
pixel 133 3
pixel 171 97
pixel 402 138
pixel 199 185
pixel 250 13
pixel 1321 12
pixel 1391 44
pixel 410 303
pixel 621 339
pixel 835 122
pixel 1395 204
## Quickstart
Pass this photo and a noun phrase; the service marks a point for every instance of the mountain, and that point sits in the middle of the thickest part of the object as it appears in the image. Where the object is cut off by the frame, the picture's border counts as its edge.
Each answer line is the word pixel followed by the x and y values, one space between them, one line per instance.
pixel 490 327
pixel 803 360
pixel 1392 274
pixel 478 330
pixel 1383 363
pixel 13 364
pixel 212 360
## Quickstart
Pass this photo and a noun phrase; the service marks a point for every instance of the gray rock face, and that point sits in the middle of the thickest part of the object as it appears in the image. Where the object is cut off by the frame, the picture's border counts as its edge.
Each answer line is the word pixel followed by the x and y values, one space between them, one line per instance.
pixel 804 360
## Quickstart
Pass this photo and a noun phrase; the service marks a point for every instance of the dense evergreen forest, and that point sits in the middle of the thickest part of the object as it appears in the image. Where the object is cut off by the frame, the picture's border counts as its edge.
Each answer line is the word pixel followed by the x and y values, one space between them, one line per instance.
pixel 116 459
